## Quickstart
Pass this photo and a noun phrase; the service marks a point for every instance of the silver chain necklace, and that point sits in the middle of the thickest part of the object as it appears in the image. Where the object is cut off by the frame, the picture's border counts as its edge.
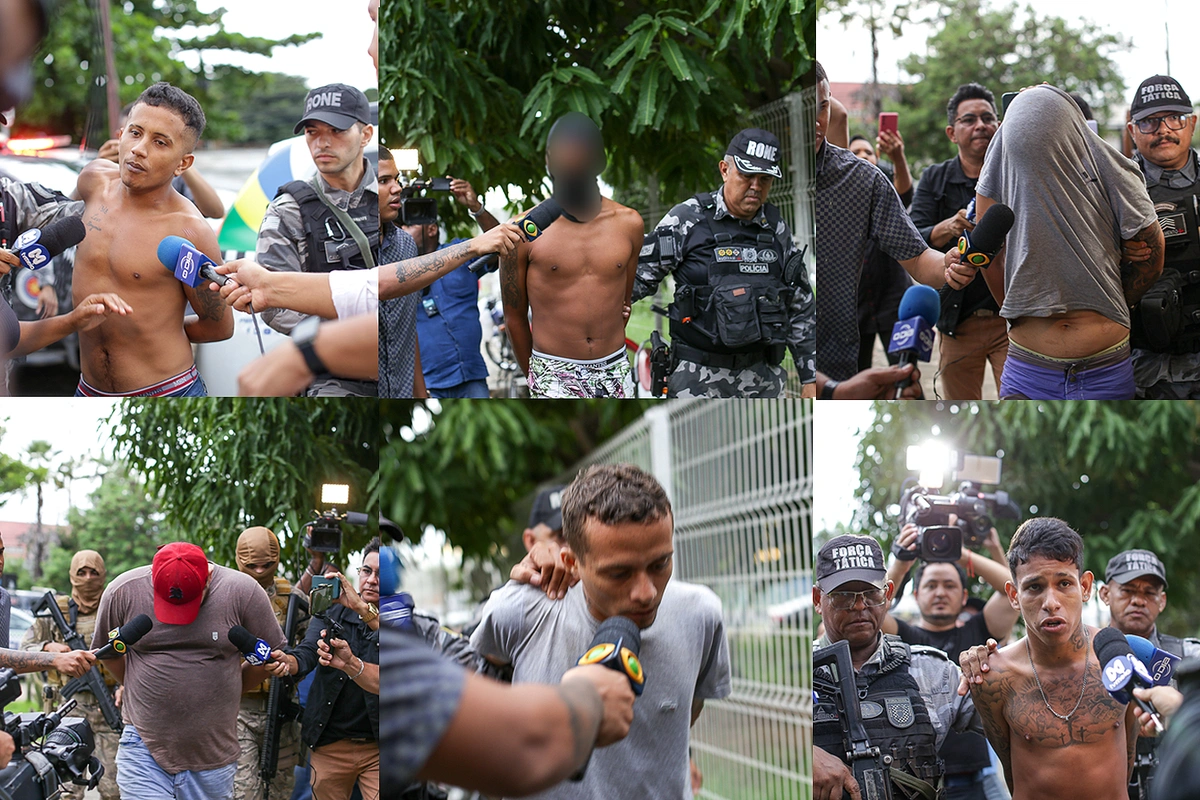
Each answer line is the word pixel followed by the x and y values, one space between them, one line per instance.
pixel 1086 660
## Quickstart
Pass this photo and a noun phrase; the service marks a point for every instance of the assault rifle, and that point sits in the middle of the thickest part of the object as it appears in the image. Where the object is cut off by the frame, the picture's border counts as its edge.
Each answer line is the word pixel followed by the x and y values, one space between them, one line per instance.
pixel 280 709
pixel 869 765
pixel 91 680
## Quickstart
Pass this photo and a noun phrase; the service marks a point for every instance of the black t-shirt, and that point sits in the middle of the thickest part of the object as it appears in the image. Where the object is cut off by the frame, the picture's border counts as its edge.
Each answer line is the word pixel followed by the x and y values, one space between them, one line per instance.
pixel 962 752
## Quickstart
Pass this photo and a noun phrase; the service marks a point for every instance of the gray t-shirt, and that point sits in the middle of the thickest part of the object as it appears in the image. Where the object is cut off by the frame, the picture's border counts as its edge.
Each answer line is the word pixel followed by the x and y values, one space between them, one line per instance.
pixel 1075 198
pixel 684 655
pixel 183 683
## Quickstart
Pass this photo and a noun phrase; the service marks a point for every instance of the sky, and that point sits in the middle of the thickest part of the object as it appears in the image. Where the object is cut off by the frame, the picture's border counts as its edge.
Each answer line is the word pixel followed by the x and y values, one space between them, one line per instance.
pixel 836 432
pixel 340 56
pixel 845 51
pixel 73 428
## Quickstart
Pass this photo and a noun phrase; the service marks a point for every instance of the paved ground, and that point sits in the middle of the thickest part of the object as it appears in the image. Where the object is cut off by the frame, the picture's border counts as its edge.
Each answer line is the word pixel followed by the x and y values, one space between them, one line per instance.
pixel 929 373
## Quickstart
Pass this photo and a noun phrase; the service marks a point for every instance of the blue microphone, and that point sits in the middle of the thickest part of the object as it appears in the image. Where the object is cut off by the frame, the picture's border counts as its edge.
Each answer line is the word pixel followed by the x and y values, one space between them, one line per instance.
pixel 1121 671
pixel 1159 663
pixel 189 265
pixel 256 651
pixel 36 247
pixel 912 335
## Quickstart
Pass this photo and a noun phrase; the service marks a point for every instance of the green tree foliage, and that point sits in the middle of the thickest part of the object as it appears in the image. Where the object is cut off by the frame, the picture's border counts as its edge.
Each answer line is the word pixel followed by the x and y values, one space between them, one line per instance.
pixel 124 525
pixel 468 463
pixel 475 87
pixel 1123 474
pixel 149 38
pixel 14 473
pixel 1004 48
pixel 218 466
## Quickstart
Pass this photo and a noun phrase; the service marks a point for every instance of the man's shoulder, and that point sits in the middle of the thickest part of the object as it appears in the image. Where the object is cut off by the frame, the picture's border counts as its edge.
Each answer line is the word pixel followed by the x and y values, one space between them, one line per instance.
pixel 127 577
pixel 693 600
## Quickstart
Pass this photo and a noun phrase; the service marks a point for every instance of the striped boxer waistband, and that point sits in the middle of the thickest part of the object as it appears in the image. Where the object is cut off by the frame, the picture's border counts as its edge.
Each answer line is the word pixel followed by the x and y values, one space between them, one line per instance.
pixel 160 389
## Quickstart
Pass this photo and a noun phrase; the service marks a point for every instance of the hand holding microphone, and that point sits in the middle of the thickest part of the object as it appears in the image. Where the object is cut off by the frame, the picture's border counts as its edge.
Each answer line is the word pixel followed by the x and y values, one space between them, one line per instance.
pixel 912 335
pixel 615 646
pixel 1121 672
pixel 976 248
pixel 35 248
pixel 493 245
pixel 124 637
pixel 247 285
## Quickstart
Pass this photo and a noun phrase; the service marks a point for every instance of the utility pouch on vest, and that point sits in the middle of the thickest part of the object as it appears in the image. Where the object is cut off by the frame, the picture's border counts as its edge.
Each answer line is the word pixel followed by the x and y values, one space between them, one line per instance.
pixel 735 306
pixel 1161 312
pixel 773 316
pixel 360 238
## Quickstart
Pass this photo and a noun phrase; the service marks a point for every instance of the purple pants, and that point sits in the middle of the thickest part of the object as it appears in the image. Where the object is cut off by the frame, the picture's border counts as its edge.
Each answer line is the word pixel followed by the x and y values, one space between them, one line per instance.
pixel 1030 376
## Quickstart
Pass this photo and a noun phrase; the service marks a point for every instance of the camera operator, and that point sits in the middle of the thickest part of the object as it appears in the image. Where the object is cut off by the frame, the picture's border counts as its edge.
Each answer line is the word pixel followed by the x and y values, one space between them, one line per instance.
pixel 941 593
pixel 183 679
pixel 341 718
pixel 915 683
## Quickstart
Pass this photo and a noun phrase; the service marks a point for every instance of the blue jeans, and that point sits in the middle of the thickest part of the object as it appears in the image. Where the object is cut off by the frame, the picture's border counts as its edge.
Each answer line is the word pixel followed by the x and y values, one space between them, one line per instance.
pixel 477 389
pixel 139 777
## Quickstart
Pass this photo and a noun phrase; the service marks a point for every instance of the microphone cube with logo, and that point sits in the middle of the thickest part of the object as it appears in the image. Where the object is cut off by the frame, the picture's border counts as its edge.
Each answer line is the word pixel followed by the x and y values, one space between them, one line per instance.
pixel 260 655
pixel 28 247
pixel 913 334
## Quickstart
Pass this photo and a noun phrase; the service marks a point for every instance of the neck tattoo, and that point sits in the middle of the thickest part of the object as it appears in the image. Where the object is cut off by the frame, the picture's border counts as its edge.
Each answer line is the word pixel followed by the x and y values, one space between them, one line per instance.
pixel 1086 660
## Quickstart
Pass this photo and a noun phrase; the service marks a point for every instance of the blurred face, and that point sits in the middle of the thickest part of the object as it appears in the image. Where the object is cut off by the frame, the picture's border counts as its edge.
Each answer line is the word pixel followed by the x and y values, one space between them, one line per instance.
pixel 940 595
pixel 1135 605
pixel 373 48
pixel 542 533
pixel 368 579
pixel 154 147
pixel 335 152
pixel 1162 146
pixel 974 126
pixel 862 148
pixel 858 623
pixel 626 568
pixel 823 97
pixel 389 191
pixel 19 21
pixel 1050 595
pixel 744 194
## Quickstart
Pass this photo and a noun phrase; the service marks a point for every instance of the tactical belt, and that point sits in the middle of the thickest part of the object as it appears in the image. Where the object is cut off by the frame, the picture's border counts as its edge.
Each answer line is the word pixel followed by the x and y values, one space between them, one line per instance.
pixel 734 361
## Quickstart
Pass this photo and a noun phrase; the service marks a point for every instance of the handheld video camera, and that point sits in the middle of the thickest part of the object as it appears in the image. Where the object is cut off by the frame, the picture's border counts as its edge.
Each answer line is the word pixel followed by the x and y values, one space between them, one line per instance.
pixel 52 749
pixel 416 207
pixel 937 539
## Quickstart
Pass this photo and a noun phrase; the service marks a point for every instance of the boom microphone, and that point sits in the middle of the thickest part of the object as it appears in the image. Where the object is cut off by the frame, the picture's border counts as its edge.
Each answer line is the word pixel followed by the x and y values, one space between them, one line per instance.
pixel 188 264
pixel 122 638
pixel 1159 663
pixel 912 335
pixel 532 225
pixel 35 247
pixel 979 247
pixel 1121 671
pixel 256 651
pixel 616 645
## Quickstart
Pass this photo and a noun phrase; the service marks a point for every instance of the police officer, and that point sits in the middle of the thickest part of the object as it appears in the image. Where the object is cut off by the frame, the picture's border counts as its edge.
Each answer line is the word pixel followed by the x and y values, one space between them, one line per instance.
pixel 79 609
pixel 257 555
pixel 330 222
pixel 906 693
pixel 1166 355
pixel 1135 591
pixel 741 287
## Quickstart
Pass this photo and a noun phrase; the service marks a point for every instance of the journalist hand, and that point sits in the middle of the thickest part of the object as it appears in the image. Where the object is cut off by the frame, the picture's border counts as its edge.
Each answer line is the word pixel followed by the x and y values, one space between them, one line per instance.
pixel 616 696
pixel 831 777
pixel 74 663
pixel 338 658
pixel 502 239
pixel 95 308
pixel 8 261
pixel 1165 698
pixel 282 665
pixel 249 285
pixel 543 566
pixel 958 274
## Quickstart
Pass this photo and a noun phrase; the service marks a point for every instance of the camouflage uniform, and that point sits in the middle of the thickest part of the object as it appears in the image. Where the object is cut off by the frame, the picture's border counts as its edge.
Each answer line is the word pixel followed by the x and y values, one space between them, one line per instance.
pixel 282 246
pixel 690 379
pixel 43 631
pixel 252 723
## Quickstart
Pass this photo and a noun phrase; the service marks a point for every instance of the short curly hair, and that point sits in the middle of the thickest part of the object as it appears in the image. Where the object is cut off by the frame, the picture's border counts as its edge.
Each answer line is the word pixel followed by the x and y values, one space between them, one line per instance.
pixel 611 494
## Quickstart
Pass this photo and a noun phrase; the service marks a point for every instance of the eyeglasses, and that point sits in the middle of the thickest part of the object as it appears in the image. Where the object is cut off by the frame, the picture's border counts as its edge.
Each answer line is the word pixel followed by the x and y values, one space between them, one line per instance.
pixel 1174 122
pixel 1127 592
pixel 844 601
pixel 969 120
pixel 367 572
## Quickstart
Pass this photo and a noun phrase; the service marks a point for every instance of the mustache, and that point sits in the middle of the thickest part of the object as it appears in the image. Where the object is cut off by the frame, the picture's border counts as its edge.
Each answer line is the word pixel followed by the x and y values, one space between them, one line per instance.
pixel 1161 139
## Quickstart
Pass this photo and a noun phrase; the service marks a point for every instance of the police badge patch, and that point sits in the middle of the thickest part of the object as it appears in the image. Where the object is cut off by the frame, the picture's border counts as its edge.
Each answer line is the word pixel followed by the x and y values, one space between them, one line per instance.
pixel 899 711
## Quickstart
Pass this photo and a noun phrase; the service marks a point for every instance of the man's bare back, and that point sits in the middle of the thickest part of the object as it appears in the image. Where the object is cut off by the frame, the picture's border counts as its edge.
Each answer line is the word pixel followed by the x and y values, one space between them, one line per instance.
pixel 576 278
pixel 120 254
pixel 1089 755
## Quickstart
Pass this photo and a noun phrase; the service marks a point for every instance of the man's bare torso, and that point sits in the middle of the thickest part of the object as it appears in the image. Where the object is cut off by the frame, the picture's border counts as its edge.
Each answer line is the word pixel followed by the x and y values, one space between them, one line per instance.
pixel 1074 334
pixel 1085 756
pixel 120 254
pixel 579 277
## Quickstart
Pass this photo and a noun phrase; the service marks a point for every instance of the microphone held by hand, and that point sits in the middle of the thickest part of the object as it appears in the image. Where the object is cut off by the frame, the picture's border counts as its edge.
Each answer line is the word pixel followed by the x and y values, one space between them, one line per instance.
pixel 979 247
pixel 188 264
pixel 912 335
pixel 532 225
pixel 36 247
pixel 122 638
pixel 256 651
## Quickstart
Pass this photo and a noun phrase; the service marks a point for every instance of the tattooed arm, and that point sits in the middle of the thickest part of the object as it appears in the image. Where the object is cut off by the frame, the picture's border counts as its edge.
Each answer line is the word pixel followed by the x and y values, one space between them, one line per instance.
pixel 406 277
pixel 989 698
pixel 513 269
pixel 213 321
pixel 73 663
pixel 1138 276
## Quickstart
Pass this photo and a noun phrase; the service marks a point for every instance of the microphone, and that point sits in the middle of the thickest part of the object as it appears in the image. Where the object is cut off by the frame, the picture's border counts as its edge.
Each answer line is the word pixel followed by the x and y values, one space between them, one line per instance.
pixel 1122 671
pixel 35 247
pixel 912 335
pixel 979 247
pixel 532 225
pixel 1159 663
pixel 122 638
pixel 616 645
pixel 256 651
pixel 190 266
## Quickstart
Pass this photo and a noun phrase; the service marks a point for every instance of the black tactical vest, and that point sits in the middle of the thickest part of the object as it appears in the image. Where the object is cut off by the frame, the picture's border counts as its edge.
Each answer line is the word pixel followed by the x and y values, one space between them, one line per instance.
pixel 730 296
pixel 330 245
pixel 8 232
pixel 895 716
pixel 1147 759
pixel 1167 319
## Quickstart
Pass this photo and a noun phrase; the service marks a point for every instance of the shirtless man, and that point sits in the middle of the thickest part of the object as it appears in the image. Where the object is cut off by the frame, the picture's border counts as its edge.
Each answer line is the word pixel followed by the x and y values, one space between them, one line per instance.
pixel 130 208
pixel 1044 708
pixel 1061 282
pixel 576 277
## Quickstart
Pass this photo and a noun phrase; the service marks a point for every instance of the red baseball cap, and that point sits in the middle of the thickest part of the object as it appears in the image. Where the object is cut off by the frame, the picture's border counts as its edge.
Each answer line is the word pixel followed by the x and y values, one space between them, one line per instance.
pixel 179 574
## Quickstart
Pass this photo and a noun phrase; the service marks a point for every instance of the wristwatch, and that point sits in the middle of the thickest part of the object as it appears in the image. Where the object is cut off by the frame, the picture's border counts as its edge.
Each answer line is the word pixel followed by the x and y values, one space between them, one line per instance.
pixel 827 389
pixel 475 214
pixel 371 613
pixel 303 336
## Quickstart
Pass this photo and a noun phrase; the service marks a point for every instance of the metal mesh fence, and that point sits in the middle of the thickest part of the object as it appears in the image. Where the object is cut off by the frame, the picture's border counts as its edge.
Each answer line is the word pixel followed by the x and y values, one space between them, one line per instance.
pixel 739 474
